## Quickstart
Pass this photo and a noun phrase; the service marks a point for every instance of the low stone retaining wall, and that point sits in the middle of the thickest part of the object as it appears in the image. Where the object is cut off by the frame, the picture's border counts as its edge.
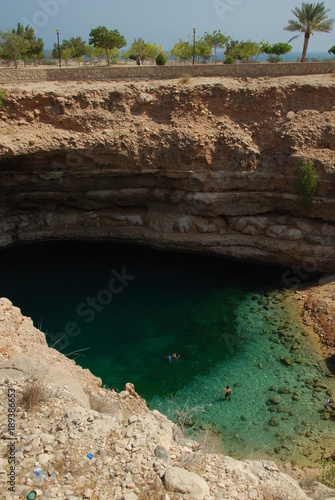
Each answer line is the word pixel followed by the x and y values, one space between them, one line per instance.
pixel 85 73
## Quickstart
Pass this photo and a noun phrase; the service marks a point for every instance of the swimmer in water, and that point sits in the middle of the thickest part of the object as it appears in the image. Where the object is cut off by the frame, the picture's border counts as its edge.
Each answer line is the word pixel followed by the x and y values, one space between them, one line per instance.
pixel 173 356
pixel 227 393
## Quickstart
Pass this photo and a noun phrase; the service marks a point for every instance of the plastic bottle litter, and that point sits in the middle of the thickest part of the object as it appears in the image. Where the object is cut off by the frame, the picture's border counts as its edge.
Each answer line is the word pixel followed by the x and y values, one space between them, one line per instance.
pixel 39 476
pixel 31 495
pixel 50 480
pixel 89 456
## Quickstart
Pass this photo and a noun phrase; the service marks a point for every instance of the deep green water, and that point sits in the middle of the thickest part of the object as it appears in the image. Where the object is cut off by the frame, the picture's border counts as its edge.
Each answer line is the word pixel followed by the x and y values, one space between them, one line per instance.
pixel 123 310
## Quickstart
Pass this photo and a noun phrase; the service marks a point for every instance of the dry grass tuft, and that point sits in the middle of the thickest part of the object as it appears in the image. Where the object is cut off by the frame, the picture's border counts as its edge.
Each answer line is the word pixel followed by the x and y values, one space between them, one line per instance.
pixel 33 394
pixel 155 490
pixel 186 78
pixel 100 404
pixel 210 442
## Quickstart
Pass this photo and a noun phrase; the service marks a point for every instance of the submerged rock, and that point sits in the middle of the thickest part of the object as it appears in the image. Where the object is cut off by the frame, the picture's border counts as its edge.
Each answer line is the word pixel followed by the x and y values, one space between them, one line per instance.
pixel 284 390
pixel 274 400
pixel 286 361
pixel 274 421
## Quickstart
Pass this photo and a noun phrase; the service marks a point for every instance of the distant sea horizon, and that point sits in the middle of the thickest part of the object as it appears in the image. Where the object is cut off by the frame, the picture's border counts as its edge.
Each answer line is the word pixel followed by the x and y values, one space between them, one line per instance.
pixel 290 57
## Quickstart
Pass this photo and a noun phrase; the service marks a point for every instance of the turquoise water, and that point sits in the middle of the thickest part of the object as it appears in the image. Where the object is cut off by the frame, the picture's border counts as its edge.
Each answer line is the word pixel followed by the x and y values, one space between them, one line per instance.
pixel 121 311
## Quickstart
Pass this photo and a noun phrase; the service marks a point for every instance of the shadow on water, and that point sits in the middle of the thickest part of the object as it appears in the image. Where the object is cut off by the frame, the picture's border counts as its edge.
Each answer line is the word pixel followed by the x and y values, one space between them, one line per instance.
pixel 133 307
pixel 175 303
pixel 330 363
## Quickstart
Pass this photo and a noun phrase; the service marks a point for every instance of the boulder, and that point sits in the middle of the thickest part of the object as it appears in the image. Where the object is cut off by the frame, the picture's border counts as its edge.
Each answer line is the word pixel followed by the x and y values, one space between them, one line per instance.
pixel 162 454
pixel 179 480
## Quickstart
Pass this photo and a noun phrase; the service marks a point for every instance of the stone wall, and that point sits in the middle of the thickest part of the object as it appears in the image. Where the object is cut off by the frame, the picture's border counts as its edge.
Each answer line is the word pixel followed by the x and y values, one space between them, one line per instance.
pixel 252 70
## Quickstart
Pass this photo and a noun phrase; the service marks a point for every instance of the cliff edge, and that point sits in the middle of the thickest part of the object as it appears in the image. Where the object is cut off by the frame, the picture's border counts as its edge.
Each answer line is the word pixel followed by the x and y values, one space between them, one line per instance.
pixel 198 165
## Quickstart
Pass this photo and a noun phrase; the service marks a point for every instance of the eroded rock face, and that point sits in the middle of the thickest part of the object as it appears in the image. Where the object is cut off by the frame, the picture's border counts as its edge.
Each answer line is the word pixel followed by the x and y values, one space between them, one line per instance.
pixel 209 166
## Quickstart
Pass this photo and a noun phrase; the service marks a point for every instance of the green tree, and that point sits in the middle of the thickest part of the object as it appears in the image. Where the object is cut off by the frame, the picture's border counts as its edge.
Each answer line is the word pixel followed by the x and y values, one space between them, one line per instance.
pixel 182 50
pixel 151 50
pixel 232 49
pixel 54 52
pixel 34 46
pixel 310 18
pixel 66 55
pixel 90 53
pixel 106 39
pixel 202 49
pixel 332 50
pixel 216 40
pixel 248 49
pixel 12 45
pixel 114 55
pixel 143 49
pixel 276 50
pixel 137 48
pixel 99 53
pixel 76 46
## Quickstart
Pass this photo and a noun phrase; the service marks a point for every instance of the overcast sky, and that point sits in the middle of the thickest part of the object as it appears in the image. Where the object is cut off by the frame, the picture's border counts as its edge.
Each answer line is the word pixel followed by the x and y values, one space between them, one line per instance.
pixel 163 21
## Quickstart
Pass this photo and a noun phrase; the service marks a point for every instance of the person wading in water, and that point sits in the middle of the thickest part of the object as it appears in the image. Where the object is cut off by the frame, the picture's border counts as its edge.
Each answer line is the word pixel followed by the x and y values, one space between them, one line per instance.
pixel 227 393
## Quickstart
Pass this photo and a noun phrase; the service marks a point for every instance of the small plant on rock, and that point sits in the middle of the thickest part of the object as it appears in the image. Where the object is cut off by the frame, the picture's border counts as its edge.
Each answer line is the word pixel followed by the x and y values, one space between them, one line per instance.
pixel 307 183
pixel 327 475
pixel 33 394
pixel 2 94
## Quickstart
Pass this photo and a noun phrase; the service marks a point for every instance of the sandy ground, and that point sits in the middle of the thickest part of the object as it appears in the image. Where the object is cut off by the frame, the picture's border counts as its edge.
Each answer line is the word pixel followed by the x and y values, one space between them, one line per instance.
pixel 265 81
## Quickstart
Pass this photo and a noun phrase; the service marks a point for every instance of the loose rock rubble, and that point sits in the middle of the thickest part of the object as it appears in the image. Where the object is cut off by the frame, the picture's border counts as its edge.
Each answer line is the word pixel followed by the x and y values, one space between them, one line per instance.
pixel 94 443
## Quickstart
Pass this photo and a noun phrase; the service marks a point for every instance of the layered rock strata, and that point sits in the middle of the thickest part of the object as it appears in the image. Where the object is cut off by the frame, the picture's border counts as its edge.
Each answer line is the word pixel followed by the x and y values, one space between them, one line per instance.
pixel 207 165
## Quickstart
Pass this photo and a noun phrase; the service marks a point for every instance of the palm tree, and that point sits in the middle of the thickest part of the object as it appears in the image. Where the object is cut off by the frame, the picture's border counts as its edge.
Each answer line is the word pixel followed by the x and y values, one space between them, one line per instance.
pixel 311 17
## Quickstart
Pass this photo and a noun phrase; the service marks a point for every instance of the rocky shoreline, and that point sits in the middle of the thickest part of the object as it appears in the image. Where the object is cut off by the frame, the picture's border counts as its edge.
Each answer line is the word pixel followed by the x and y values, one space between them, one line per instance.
pixel 97 444
pixel 318 302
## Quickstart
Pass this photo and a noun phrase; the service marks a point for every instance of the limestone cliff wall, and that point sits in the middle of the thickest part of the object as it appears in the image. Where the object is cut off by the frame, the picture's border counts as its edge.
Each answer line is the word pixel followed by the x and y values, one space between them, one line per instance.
pixel 207 165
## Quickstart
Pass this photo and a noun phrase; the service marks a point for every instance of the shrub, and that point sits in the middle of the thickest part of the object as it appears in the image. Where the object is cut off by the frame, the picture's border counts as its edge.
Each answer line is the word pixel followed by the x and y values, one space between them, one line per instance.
pixel 186 78
pixel 160 60
pixel 33 394
pixel 228 60
pixel 308 182
pixel 327 476
pixel 272 58
pixel 1 97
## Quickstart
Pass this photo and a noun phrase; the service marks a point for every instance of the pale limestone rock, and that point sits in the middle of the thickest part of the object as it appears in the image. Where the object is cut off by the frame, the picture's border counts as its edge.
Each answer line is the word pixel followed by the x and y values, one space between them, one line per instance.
pixel 130 496
pixel 47 439
pixel 44 459
pixel 179 480
pixel 143 98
